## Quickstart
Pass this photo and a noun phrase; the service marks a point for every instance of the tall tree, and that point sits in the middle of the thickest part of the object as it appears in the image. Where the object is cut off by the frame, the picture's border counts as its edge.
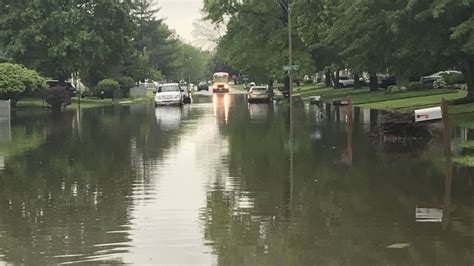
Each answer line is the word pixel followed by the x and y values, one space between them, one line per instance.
pixel 62 37
pixel 261 49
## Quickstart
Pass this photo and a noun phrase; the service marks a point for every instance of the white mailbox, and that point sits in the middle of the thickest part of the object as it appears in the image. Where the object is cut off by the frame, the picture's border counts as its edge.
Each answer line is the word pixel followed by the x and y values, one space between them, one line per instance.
pixel 428 114
pixel 314 99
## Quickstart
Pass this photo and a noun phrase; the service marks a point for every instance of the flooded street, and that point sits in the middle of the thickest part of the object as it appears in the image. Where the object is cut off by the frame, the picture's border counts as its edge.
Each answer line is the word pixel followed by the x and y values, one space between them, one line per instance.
pixel 212 183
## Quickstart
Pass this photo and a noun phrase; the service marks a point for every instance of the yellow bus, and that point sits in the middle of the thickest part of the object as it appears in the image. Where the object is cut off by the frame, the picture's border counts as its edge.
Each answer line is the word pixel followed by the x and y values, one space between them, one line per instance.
pixel 220 82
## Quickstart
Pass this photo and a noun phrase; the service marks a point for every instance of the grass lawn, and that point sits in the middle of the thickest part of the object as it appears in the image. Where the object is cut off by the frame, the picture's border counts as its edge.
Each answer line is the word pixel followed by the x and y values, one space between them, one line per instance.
pixel 467 161
pixel 412 103
pixel 85 103
pixel 364 97
pixel 468 144
pixel 464 120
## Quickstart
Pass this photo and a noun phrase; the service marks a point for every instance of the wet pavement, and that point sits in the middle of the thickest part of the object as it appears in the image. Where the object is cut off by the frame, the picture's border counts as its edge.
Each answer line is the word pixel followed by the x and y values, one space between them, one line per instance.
pixel 218 183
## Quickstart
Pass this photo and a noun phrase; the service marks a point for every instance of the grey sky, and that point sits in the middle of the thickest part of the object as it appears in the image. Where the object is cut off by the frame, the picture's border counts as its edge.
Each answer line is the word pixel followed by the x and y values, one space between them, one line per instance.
pixel 180 14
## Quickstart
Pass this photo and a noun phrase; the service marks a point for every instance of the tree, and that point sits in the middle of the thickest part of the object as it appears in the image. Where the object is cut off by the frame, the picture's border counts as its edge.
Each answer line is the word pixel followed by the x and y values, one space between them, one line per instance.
pixel 261 49
pixel 17 81
pixel 61 37
pixel 440 31
pixel 108 86
pixel 58 97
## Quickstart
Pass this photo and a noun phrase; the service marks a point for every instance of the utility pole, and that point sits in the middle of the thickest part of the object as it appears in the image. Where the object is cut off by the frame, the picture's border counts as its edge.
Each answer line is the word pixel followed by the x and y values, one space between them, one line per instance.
pixel 290 95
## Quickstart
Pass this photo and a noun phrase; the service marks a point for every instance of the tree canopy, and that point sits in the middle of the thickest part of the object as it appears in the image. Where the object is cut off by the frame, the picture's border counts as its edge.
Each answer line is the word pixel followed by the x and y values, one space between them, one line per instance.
pixel 407 38
pixel 95 39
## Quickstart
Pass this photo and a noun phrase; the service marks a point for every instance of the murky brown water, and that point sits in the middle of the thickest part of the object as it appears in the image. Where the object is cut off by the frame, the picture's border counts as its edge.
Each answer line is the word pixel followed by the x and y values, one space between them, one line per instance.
pixel 211 184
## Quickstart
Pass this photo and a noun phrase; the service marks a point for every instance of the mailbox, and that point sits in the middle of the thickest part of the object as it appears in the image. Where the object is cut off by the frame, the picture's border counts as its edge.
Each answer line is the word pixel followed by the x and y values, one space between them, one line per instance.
pixel 428 114
pixel 314 99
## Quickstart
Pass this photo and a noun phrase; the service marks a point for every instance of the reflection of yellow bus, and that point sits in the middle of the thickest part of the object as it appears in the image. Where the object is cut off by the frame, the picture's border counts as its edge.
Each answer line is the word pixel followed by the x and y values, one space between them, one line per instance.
pixel 220 82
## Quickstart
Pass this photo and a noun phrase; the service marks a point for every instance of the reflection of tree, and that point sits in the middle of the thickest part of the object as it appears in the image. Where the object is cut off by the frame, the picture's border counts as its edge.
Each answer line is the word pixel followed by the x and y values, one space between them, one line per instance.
pixel 341 215
pixel 73 192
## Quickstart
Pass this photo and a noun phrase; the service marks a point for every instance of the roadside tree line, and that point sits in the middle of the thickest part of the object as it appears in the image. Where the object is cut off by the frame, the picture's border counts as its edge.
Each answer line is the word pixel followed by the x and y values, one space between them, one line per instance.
pixel 407 38
pixel 121 40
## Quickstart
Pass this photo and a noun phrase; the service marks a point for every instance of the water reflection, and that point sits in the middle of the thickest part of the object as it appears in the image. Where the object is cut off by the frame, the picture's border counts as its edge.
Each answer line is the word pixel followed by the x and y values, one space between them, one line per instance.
pixel 207 186
pixel 169 117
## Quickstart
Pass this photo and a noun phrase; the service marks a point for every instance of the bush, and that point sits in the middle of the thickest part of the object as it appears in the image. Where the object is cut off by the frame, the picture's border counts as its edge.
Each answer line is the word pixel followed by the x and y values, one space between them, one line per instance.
pixel 454 78
pixel 308 81
pixel 413 86
pixel 108 86
pixel 17 81
pixel 439 84
pixel 125 84
pixel 58 97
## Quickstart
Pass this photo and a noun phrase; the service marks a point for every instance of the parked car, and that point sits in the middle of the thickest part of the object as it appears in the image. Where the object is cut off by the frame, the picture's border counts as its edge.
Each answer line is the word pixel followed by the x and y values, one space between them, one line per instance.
pixel 168 94
pixel 438 75
pixel 203 86
pixel 346 81
pixel 259 94
pixel 186 94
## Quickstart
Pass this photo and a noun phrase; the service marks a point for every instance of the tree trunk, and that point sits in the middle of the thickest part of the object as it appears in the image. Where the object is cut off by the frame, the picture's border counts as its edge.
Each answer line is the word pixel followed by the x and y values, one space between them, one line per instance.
pixel 328 78
pixel 374 84
pixel 356 81
pixel 335 79
pixel 467 66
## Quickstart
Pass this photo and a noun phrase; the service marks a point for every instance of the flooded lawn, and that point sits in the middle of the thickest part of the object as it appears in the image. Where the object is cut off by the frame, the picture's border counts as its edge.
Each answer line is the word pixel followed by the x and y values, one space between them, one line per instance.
pixel 218 183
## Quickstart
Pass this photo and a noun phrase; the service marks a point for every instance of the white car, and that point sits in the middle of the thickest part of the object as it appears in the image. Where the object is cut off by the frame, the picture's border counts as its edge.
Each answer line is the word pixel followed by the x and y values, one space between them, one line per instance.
pixel 259 93
pixel 168 94
pixel 345 81
pixel 433 77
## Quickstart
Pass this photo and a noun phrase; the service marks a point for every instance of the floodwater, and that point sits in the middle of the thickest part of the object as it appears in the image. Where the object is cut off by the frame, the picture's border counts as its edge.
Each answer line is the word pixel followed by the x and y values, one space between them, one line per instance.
pixel 218 182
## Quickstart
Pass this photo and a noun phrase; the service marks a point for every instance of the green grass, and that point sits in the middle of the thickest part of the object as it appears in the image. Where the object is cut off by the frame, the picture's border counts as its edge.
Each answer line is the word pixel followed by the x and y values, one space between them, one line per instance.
pixel 461 109
pixel 363 96
pixel 466 161
pixel 464 120
pixel 468 144
pixel 85 103
pixel 410 104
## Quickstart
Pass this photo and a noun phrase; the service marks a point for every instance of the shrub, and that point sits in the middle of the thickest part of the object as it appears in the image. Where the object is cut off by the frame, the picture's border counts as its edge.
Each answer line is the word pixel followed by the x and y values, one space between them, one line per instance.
pixel 412 86
pixel 125 84
pixel 439 84
pixel 308 81
pixel 108 86
pixel 58 97
pixel 393 89
pixel 454 78
pixel 17 81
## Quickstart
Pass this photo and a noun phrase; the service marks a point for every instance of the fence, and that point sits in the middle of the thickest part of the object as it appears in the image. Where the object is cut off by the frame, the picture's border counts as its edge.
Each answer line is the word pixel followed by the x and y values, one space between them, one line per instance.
pixel 5 126
pixel 138 92
pixel 4 110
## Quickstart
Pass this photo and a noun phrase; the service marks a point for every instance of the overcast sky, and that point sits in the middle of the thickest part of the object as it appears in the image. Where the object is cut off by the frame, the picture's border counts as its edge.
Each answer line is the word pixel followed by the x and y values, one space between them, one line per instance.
pixel 180 14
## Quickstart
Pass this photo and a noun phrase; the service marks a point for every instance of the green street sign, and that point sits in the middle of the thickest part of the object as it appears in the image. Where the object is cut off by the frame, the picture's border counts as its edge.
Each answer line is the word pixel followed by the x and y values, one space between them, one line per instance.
pixel 291 67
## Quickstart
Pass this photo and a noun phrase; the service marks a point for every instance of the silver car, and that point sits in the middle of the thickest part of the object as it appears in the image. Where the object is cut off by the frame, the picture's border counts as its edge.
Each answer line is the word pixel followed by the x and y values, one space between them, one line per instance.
pixel 259 94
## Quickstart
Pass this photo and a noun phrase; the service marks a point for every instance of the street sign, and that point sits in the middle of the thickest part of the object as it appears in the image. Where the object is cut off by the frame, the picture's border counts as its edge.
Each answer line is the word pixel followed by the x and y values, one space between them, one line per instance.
pixel 291 67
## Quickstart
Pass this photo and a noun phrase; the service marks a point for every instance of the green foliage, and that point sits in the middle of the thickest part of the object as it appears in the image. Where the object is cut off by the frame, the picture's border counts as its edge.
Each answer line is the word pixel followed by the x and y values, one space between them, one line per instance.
pixel 17 81
pixel 58 97
pixel 260 50
pixel 126 83
pixel 413 86
pixel 439 84
pixel 453 78
pixel 92 37
pixel 108 86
